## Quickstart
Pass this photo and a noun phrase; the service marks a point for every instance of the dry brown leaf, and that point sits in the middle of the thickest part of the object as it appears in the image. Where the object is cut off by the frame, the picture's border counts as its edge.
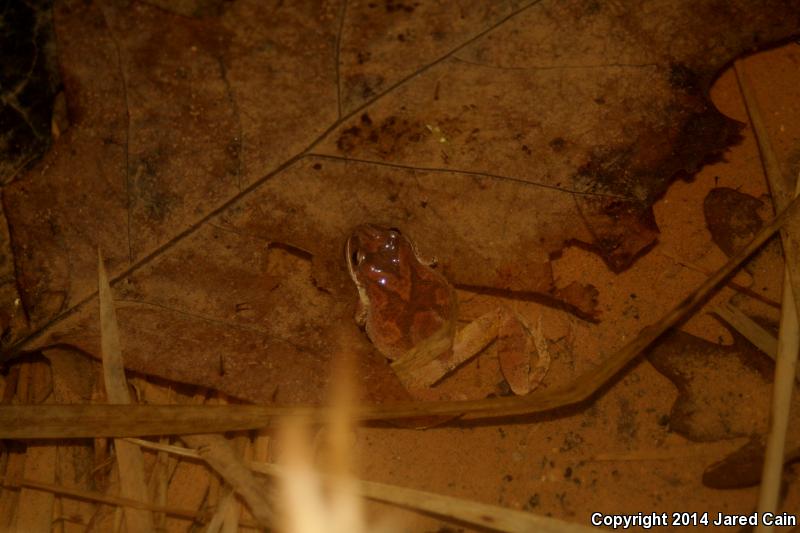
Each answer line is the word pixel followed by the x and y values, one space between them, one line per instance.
pixel 736 405
pixel 742 467
pixel 732 218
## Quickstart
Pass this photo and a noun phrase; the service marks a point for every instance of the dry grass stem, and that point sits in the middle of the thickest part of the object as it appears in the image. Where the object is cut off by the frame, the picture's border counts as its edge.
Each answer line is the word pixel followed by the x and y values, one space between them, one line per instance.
pixel 133 484
pixel 107 499
pixel 789 335
pixel 218 454
pixel 467 511
pixel 785 367
pixel 732 283
pixel 227 501
pixel 748 328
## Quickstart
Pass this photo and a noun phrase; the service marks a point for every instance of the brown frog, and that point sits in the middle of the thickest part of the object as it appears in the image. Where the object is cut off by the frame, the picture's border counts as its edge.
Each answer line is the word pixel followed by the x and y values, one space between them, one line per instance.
pixel 409 311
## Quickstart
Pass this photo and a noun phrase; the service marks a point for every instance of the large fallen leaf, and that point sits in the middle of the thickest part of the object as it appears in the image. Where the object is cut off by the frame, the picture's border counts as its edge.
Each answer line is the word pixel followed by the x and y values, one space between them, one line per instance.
pixel 723 391
pixel 731 217
pixel 214 151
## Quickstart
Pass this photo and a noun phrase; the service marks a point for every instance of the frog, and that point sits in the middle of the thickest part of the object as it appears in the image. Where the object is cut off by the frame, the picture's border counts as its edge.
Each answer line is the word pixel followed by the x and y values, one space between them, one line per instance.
pixel 409 311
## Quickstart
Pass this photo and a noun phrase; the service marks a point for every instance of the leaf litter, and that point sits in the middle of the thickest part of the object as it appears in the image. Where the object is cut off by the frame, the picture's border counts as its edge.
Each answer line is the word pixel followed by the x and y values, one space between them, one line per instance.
pixel 201 250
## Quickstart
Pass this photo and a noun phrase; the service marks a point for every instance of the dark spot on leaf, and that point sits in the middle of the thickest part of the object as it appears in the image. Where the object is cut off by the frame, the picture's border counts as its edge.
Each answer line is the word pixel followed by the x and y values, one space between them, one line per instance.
pixel 362 57
pixel 532 502
pixel 360 87
pixel 386 139
pixel 592 8
pixel 393 6
pixel 557 144
pixel 347 139
pixel 234 149
pixel 571 441
pixel 682 77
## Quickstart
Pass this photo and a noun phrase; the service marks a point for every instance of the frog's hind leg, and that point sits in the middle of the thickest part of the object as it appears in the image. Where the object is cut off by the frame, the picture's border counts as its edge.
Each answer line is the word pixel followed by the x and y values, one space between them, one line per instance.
pixel 516 343
pixel 543 355
pixel 418 372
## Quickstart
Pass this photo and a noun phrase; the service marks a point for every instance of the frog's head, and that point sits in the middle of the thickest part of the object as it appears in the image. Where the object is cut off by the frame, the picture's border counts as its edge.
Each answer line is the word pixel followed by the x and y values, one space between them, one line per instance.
pixel 402 301
pixel 376 255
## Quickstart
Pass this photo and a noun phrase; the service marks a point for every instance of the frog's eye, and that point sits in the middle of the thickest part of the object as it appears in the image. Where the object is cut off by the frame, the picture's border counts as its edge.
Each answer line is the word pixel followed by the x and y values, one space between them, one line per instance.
pixel 356 258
